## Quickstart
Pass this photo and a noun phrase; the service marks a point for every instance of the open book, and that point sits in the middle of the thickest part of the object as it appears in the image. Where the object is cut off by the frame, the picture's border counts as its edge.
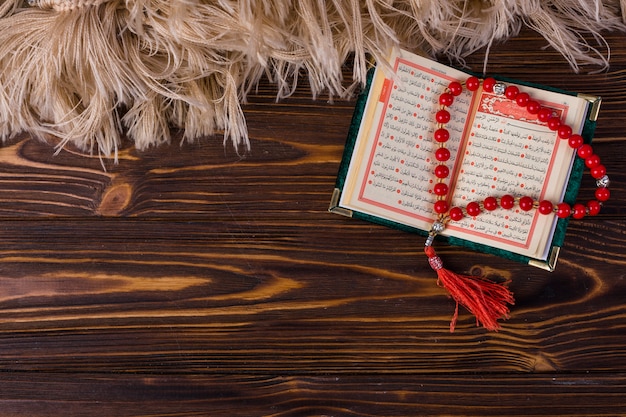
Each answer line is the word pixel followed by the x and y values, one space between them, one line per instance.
pixel 496 147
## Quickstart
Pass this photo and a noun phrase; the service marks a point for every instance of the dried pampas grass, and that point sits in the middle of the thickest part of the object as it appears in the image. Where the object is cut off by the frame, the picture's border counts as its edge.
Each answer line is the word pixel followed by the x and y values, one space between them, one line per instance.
pixel 88 71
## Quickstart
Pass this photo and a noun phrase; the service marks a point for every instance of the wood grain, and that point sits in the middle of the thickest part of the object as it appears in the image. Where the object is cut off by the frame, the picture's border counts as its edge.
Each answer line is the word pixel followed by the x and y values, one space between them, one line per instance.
pixel 188 280
pixel 282 396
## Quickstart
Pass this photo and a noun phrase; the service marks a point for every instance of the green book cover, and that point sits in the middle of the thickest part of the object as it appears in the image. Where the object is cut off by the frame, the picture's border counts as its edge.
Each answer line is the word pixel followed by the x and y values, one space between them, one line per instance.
pixel 374 118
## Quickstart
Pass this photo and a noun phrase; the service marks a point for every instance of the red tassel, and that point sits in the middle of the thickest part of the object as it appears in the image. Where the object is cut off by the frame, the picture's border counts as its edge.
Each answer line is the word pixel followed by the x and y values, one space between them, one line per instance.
pixel 487 300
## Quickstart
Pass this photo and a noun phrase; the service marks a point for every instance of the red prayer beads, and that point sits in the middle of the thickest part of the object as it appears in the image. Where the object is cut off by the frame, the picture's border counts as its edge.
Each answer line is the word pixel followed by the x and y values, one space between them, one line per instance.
pixel 525 203
pixel 441 188
pixel 473 209
pixel 507 201
pixel 442 154
pixel 563 210
pixel 490 203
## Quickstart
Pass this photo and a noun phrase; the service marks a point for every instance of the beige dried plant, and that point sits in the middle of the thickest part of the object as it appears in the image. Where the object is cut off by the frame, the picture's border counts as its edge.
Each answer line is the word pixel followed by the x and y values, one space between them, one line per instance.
pixel 86 72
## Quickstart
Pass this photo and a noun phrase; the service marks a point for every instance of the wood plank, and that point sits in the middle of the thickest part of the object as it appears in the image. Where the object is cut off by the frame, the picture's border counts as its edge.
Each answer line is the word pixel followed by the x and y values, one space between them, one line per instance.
pixel 282 180
pixel 148 395
pixel 259 297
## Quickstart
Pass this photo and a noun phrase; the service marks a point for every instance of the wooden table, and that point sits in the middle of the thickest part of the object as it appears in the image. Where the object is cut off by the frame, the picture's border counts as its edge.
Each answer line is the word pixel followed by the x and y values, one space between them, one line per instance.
pixel 187 281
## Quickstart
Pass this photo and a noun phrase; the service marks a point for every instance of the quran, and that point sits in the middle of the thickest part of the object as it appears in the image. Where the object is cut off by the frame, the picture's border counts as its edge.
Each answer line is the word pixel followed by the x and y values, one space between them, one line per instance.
pixel 496 148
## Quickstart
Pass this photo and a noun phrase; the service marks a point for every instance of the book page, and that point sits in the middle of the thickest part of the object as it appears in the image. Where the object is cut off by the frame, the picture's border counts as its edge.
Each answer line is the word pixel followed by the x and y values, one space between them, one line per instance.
pixel 391 172
pixel 496 149
pixel 510 152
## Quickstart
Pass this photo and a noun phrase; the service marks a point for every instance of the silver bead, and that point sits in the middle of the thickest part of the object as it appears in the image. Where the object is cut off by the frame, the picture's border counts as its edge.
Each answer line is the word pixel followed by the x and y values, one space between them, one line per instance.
pixel 499 88
pixel 437 227
pixel 603 182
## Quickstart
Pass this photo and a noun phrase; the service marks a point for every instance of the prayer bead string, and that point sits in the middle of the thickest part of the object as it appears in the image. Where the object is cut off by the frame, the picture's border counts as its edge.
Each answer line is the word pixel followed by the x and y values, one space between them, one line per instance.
pixel 507 201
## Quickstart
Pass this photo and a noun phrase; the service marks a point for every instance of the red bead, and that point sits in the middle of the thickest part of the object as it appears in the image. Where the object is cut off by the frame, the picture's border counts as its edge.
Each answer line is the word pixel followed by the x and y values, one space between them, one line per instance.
pixel 441 171
pixel 526 203
pixel 554 123
pixel 565 132
pixel 442 154
pixel 522 99
pixel 593 207
pixel 441 207
pixel 440 188
pixel 511 92
pixel 585 151
pixel 544 114
pixel 488 84
pixel 473 209
pixel 575 141
pixel 446 99
pixel 507 201
pixel 490 203
pixel 442 135
pixel 598 172
pixel 456 214
pixel 578 211
pixel 602 194
pixel 455 88
pixel 592 161
pixel 545 207
pixel 472 83
pixel 563 210
pixel 533 107
pixel 442 116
